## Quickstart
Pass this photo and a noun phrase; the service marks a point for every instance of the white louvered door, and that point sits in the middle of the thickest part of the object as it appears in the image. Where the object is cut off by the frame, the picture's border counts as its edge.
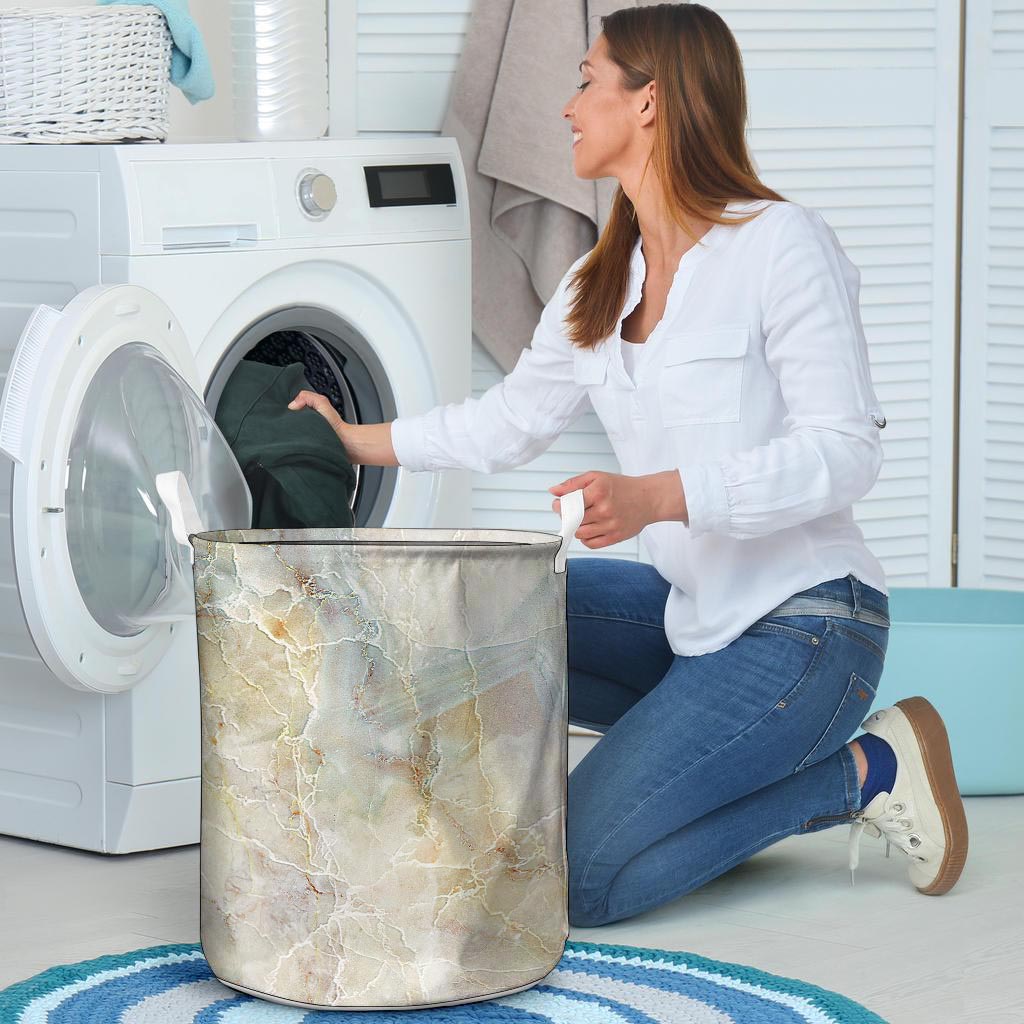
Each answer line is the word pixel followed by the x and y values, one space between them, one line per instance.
pixel 854 112
pixel 392 64
pixel 991 491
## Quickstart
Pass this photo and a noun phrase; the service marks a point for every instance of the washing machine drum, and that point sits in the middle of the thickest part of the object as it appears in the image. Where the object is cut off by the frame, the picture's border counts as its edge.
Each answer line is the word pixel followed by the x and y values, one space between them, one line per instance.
pixel 323 374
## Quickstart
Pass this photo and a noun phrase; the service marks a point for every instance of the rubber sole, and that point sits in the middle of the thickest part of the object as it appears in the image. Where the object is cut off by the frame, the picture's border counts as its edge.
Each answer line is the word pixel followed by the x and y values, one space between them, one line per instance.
pixel 938 763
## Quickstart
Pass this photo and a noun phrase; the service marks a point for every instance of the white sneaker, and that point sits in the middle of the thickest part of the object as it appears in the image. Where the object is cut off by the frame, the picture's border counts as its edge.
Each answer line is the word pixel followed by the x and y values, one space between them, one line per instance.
pixel 923 815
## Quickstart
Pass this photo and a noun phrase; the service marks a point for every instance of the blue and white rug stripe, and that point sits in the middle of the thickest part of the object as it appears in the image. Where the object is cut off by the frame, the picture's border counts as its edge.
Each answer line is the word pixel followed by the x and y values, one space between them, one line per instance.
pixel 594 983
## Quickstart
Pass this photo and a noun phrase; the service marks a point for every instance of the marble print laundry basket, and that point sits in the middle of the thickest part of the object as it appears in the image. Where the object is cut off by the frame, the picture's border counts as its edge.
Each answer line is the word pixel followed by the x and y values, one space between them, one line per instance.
pixel 384 761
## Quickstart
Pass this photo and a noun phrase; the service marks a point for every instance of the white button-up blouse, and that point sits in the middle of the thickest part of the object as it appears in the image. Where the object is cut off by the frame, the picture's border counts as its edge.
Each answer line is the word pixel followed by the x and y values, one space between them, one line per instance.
pixel 755 387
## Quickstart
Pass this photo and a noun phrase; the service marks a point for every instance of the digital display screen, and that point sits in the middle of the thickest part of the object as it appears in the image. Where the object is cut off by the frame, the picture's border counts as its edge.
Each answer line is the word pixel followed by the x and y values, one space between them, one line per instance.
pixel 410 185
pixel 402 183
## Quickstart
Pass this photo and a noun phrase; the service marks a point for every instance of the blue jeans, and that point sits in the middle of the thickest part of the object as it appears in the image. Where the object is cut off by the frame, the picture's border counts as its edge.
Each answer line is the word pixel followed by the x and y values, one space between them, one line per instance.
pixel 707 759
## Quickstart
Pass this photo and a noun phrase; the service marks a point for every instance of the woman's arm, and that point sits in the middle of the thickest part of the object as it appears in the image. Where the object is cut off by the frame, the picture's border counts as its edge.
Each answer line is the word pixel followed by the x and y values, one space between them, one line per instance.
pixel 368 444
pixel 365 444
pixel 509 424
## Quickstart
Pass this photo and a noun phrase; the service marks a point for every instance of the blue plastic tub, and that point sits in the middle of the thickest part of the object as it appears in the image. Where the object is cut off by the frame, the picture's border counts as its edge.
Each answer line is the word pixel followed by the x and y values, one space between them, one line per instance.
pixel 963 649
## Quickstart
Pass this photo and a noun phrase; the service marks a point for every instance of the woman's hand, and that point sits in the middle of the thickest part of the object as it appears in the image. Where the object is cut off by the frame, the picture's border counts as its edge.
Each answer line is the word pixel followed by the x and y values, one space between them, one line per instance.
pixel 617 507
pixel 322 404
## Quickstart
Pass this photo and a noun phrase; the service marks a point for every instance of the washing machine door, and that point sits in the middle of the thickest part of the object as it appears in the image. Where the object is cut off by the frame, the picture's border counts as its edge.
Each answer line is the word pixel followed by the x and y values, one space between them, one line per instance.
pixel 101 398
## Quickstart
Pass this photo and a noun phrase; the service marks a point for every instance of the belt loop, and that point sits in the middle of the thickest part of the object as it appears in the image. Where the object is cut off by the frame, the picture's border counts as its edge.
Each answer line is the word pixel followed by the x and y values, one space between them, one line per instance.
pixel 855 585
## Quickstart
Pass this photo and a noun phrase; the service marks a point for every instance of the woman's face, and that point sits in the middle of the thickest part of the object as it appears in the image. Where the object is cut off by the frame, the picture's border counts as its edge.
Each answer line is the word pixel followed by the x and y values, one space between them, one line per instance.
pixel 603 117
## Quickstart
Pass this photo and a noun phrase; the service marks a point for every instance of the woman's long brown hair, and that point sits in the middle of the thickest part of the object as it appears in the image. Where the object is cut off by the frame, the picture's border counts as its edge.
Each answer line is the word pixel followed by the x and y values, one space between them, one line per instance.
pixel 699 151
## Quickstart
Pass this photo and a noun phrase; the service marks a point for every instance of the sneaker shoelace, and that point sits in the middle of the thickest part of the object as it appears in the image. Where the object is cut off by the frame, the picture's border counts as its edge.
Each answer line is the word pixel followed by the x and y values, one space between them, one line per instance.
pixel 891 823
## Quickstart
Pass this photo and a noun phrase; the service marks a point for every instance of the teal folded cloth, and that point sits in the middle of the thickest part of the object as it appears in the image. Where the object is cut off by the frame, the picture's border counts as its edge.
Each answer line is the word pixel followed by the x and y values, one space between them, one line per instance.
pixel 297 469
pixel 190 65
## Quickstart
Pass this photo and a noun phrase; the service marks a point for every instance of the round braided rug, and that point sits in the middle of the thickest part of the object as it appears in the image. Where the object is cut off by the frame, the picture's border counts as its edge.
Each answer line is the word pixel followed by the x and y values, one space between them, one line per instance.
pixel 593 983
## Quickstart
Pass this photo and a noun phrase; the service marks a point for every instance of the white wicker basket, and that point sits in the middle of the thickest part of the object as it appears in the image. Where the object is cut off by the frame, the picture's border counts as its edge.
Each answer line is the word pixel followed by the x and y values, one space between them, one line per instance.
pixel 84 74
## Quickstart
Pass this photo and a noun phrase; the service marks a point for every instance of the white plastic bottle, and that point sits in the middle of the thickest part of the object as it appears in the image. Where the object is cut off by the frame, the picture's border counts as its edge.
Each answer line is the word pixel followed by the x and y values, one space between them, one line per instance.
pixel 280 68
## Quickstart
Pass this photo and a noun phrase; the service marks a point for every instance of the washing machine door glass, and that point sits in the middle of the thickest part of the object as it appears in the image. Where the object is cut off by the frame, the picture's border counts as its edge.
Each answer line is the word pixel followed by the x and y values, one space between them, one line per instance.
pixel 100 401
pixel 139 418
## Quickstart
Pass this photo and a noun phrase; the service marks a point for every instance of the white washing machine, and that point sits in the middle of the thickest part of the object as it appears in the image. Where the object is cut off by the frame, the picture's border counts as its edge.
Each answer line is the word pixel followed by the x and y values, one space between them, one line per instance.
pixel 133 280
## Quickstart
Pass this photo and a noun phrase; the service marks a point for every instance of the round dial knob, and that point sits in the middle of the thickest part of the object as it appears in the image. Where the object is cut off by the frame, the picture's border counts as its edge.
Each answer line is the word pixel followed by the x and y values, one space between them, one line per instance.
pixel 317 194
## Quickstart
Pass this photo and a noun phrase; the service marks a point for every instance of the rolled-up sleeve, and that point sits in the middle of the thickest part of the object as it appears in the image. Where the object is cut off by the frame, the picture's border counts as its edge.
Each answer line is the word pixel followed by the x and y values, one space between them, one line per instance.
pixel 512 422
pixel 815 346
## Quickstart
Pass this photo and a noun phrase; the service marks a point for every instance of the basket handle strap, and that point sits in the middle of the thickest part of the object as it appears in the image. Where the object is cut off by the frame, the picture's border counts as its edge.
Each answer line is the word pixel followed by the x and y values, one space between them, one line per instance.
pixel 571 506
pixel 176 495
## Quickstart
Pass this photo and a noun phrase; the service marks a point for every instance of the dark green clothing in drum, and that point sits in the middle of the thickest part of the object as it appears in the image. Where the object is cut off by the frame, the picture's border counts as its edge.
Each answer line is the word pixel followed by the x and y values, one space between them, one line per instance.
pixel 293 462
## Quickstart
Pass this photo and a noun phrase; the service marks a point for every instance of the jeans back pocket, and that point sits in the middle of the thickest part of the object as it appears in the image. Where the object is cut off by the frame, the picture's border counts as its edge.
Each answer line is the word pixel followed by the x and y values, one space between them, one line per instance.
pixel 852 710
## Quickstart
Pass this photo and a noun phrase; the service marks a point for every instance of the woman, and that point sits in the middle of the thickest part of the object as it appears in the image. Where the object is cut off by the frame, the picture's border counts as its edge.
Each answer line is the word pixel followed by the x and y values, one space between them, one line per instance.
pixel 715 328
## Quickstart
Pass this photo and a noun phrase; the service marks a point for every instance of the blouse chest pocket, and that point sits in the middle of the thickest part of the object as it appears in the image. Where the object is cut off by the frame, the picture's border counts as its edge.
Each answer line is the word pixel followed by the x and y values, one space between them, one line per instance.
pixel 702 377
pixel 590 369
